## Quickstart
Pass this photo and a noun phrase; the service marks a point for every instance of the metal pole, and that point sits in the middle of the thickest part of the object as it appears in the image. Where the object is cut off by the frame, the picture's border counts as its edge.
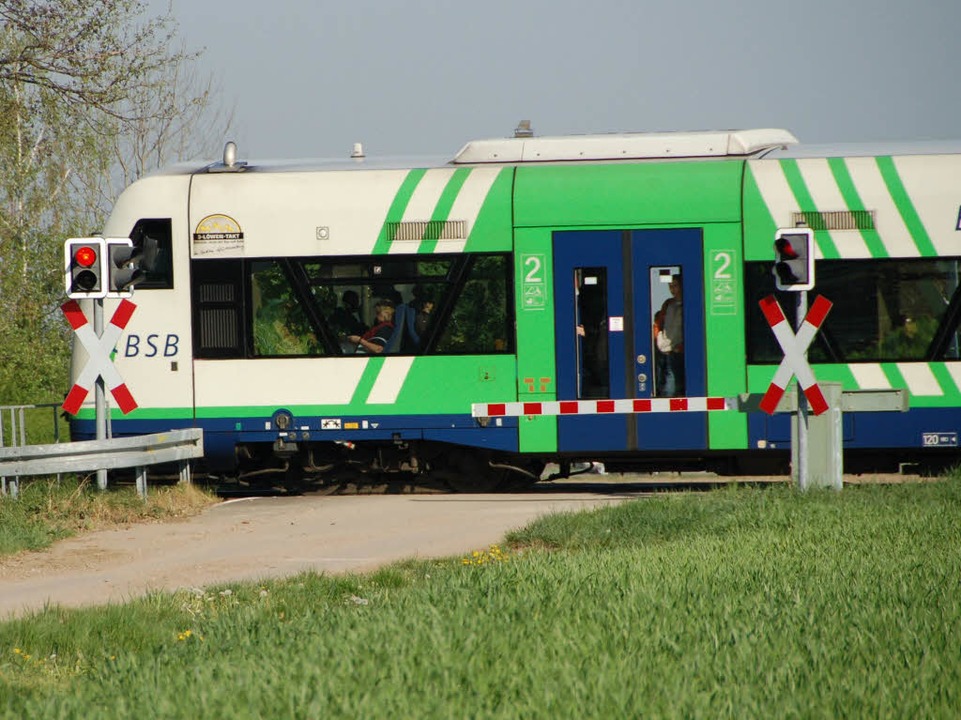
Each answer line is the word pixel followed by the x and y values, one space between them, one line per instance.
pixel 802 405
pixel 56 431
pixel 101 394
pixel 3 480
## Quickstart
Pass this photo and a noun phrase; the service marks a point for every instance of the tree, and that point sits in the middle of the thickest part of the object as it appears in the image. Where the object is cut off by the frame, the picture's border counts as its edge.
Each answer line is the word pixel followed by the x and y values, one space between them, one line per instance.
pixel 92 95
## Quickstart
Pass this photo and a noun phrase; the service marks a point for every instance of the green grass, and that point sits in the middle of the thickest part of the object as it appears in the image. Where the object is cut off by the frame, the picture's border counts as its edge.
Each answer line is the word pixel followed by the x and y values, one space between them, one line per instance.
pixel 47 510
pixel 738 603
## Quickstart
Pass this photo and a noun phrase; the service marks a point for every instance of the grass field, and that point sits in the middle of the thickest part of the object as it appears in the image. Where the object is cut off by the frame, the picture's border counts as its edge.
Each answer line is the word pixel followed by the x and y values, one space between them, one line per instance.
pixel 746 602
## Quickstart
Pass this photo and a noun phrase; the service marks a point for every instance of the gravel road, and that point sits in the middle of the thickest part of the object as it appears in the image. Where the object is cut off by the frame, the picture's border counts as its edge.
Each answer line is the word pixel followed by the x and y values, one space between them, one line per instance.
pixel 268 537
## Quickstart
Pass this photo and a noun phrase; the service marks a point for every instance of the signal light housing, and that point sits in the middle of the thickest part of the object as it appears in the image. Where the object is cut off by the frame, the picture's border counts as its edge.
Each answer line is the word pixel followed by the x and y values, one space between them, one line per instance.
pixel 84 267
pixel 794 259
pixel 123 267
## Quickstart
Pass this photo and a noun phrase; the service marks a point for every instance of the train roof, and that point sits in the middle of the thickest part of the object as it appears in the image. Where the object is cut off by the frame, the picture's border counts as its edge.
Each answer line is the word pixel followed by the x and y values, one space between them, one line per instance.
pixel 624 146
pixel 869 149
pixel 745 144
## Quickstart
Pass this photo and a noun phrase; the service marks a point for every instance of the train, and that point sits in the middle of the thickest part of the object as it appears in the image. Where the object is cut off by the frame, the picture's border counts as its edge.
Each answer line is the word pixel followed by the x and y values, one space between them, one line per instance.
pixel 466 320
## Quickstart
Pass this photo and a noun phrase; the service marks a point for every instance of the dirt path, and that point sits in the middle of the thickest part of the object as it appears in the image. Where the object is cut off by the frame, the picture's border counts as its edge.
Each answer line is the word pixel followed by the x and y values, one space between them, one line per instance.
pixel 267 537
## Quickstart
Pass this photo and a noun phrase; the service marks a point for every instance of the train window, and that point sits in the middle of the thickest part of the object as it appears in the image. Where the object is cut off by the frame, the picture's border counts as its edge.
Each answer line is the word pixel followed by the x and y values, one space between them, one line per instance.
pixel 301 307
pixel 894 310
pixel 473 317
pixel 153 238
pixel 667 330
pixel 279 322
pixel 590 288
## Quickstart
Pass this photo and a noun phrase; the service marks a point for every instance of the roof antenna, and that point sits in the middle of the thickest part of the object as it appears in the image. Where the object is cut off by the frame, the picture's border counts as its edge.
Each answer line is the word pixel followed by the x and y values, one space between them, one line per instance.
pixel 230 154
pixel 523 129
pixel 230 163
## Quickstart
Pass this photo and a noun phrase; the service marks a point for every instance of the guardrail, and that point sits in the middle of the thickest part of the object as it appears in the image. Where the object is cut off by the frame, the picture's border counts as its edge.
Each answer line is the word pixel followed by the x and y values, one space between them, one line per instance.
pixel 17 428
pixel 88 455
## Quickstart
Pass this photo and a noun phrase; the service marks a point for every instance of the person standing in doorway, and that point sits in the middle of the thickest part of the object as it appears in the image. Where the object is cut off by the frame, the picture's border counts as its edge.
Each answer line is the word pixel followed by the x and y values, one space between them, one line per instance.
pixel 669 340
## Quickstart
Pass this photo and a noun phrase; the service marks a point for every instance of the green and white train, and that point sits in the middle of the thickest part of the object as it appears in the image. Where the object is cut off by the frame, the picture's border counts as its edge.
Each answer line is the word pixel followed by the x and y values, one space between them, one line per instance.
pixel 529 270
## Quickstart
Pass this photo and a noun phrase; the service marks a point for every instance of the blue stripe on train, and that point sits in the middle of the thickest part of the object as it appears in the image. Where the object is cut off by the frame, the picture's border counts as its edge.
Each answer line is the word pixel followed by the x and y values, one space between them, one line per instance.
pixel 222 434
pixel 867 430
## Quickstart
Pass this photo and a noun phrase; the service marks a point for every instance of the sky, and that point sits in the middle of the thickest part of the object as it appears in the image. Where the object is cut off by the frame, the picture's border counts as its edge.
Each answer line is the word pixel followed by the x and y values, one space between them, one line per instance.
pixel 423 77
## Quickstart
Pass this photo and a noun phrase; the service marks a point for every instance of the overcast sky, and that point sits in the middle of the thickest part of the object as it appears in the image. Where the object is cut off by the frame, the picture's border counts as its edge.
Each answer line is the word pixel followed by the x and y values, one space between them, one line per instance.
pixel 416 77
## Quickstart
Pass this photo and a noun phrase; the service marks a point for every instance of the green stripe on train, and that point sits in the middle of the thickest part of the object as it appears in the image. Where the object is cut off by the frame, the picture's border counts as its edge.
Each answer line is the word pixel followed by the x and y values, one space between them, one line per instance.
pixel 494 227
pixel 759 224
pixel 905 207
pixel 853 201
pixel 805 201
pixel 441 212
pixel 396 211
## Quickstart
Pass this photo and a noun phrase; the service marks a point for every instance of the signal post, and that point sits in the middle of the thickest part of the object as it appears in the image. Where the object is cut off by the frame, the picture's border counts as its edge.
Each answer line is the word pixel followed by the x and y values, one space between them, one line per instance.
pixel 794 272
pixel 95 268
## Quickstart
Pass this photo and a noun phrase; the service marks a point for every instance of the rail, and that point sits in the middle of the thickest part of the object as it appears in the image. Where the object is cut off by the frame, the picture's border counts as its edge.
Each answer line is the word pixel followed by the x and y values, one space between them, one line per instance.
pixel 87 455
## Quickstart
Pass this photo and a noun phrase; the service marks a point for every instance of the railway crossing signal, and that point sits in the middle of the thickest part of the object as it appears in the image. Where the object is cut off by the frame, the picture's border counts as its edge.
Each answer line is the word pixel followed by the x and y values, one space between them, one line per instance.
pixel 123 267
pixel 84 267
pixel 794 259
pixel 794 346
pixel 99 268
pixel 99 363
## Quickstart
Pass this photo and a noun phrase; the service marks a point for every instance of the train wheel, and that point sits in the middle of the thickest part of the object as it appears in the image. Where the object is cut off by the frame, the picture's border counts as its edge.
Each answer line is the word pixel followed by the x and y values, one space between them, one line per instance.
pixel 468 472
pixel 326 486
pixel 478 472
pixel 524 478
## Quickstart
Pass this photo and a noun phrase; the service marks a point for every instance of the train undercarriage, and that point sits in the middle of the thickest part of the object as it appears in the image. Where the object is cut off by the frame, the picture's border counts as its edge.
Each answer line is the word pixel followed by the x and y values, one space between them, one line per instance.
pixel 330 466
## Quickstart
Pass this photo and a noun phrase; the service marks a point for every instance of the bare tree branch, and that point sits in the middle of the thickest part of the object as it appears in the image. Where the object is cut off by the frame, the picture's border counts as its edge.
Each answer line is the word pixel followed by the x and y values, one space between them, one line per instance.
pixel 93 95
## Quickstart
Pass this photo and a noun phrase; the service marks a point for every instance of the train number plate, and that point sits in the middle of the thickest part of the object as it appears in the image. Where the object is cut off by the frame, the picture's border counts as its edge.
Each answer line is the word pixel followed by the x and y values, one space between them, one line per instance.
pixel 939 439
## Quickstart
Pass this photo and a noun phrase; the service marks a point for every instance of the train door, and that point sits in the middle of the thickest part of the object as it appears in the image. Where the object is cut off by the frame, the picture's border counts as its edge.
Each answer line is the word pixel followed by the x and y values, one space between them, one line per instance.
pixel 611 288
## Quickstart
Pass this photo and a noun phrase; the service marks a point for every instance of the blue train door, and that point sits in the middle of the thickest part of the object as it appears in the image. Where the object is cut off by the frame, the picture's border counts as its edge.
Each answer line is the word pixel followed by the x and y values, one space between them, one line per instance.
pixel 619 296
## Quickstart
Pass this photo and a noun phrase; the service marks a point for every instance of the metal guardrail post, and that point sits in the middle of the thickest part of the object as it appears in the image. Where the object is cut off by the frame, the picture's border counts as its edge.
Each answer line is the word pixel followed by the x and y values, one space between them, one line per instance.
pixel 3 480
pixel 141 473
pixel 12 487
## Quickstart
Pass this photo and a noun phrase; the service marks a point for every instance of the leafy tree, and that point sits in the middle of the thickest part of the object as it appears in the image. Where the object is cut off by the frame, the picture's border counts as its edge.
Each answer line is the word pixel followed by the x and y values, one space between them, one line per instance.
pixel 93 93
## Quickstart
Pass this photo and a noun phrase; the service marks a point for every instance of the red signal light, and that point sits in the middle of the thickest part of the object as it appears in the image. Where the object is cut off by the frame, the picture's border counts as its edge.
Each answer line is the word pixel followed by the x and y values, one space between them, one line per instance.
pixel 85 256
